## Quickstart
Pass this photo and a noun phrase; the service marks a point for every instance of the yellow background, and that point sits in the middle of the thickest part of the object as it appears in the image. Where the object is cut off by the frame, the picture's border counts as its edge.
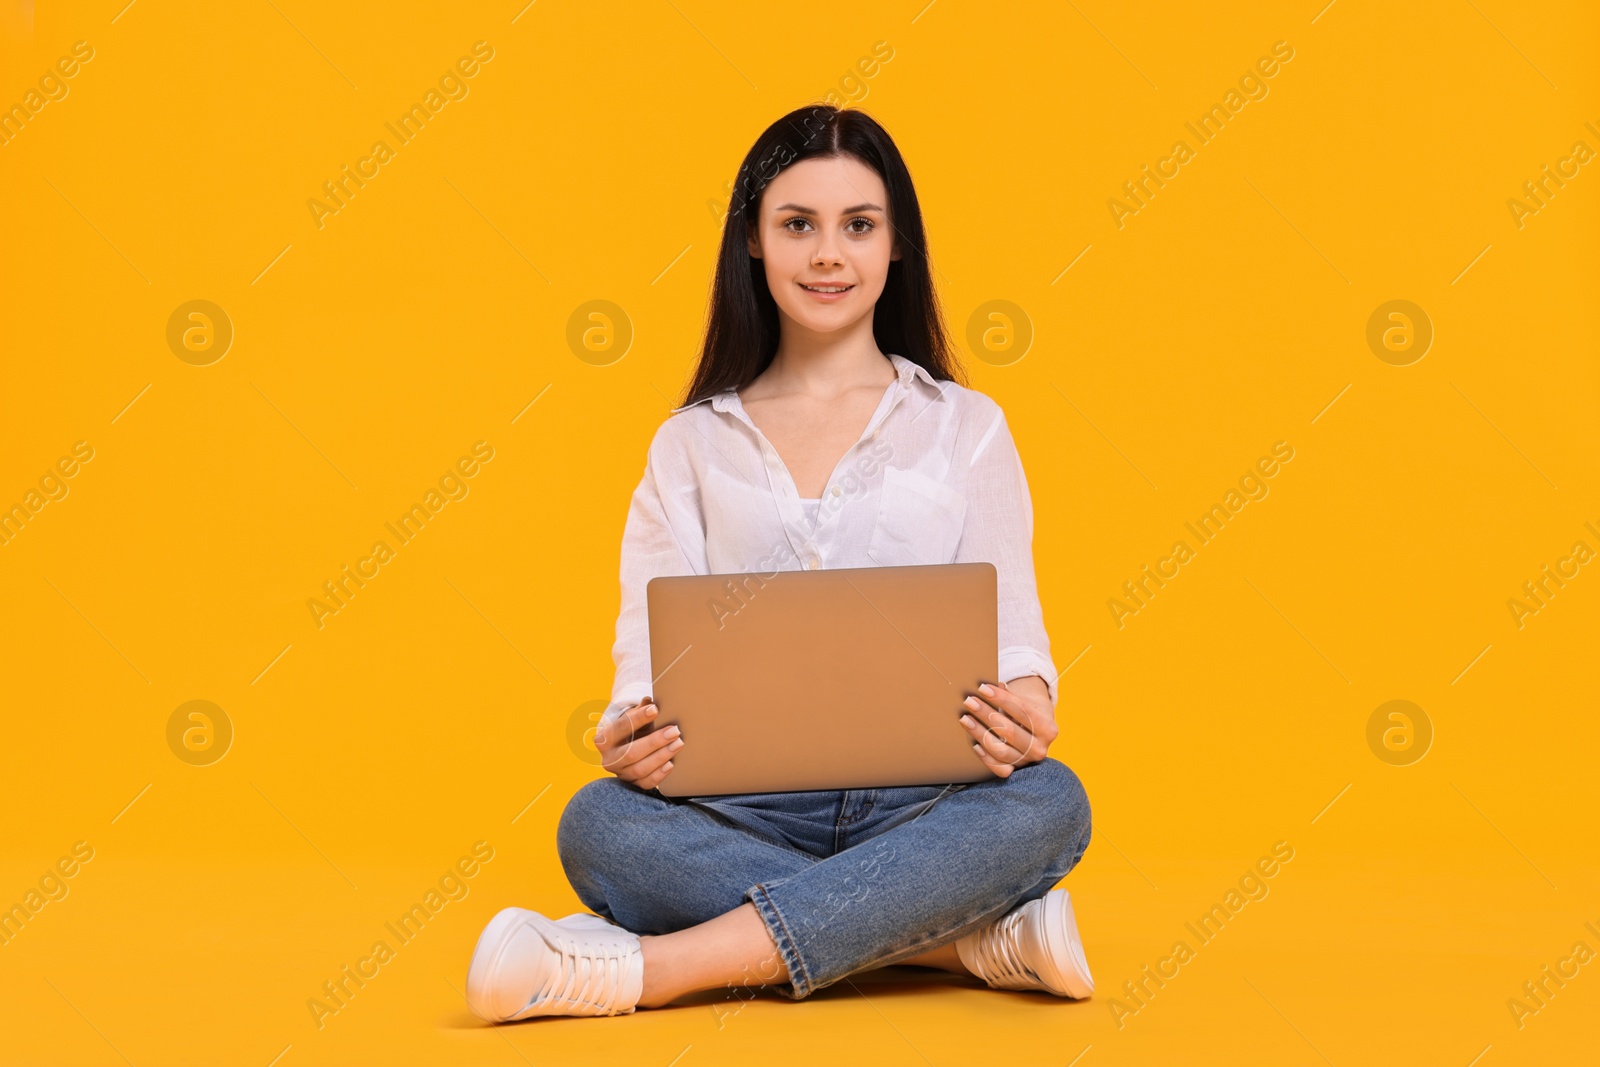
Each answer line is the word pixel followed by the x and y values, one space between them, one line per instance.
pixel 428 313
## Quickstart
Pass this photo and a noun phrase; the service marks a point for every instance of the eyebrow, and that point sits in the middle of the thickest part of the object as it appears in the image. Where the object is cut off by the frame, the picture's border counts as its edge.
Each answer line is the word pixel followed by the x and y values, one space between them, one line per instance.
pixel 813 211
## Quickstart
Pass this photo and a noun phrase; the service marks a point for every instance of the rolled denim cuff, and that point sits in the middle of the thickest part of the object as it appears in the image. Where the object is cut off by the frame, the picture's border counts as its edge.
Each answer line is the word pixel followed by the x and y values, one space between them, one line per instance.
pixel 799 976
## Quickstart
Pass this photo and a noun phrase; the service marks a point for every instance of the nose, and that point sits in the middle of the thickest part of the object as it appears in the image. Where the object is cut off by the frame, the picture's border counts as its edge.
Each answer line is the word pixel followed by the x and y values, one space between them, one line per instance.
pixel 827 250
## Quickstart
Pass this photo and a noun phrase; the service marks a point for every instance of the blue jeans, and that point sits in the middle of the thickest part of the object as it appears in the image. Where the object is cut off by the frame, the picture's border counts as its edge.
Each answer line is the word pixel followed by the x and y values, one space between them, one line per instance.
pixel 844 880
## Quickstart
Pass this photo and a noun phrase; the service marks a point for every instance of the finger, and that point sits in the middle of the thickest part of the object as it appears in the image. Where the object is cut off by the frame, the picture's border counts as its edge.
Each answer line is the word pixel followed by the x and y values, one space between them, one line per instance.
pixel 986 710
pixel 1016 738
pixel 640 716
pixel 1000 770
pixel 640 748
pixel 1008 702
pixel 1037 729
pixel 621 754
pixel 653 761
pixel 991 743
pixel 1001 751
pixel 620 730
pixel 1014 734
pixel 653 780
pixel 1024 741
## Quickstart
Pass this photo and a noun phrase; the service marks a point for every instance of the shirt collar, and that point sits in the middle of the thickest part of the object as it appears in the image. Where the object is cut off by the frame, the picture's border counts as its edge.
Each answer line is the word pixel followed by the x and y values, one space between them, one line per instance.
pixel 905 372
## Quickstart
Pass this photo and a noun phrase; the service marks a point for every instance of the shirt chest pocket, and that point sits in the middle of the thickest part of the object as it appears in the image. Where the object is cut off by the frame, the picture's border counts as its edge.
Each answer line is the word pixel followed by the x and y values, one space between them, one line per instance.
pixel 919 520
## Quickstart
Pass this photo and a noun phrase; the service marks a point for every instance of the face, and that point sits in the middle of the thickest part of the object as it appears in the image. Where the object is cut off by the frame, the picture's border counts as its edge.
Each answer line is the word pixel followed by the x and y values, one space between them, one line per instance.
pixel 824 225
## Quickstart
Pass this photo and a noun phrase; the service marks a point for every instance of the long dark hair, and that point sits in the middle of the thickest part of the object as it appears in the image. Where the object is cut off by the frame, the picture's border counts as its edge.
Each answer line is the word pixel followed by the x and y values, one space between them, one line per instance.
pixel 742 325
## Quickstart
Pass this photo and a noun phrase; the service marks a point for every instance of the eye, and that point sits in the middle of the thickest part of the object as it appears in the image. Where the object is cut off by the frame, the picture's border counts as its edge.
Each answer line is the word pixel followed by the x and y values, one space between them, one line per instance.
pixel 870 225
pixel 800 219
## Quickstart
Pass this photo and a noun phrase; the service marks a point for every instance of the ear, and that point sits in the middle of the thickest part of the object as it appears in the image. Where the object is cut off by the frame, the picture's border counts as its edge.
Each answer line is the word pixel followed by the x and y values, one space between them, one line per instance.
pixel 895 253
pixel 752 242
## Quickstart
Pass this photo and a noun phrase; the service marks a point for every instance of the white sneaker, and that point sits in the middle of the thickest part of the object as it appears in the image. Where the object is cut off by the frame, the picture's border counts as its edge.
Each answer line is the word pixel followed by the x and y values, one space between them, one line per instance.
pixel 526 964
pixel 1033 946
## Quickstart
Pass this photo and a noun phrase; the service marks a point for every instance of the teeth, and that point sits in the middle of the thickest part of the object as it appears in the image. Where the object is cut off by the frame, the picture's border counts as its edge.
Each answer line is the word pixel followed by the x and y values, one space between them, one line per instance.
pixel 824 289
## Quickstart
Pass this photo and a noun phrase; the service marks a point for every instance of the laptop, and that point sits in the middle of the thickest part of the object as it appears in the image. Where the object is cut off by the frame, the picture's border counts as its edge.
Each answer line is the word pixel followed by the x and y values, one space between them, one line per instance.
pixel 844 678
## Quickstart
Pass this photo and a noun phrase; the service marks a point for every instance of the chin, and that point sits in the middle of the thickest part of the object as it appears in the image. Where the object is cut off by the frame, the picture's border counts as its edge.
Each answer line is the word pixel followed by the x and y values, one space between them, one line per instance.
pixel 825 323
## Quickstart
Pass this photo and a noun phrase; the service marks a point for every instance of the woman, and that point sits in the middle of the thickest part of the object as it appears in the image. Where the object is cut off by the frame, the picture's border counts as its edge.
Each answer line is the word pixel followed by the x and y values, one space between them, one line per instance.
pixel 823 427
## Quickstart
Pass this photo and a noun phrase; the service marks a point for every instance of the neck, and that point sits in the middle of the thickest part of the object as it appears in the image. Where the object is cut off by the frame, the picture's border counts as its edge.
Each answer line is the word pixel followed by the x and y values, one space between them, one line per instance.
pixel 828 367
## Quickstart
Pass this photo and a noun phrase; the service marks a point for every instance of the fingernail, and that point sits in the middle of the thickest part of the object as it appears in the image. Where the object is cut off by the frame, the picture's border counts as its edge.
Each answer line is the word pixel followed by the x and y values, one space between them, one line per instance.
pixel 971 702
pixel 675 745
pixel 650 709
pixel 968 720
pixel 986 689
pixel 667 766
pixel 673 731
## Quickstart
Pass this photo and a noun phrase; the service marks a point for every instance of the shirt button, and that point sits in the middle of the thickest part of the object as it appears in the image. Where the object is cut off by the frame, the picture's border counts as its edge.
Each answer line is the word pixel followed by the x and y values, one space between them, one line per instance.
pixel 836 491
pixel 813 563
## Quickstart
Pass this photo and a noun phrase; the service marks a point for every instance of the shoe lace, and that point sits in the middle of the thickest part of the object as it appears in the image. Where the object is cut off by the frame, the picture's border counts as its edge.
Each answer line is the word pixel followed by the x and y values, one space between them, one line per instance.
pixel 590 975
pixel 995 953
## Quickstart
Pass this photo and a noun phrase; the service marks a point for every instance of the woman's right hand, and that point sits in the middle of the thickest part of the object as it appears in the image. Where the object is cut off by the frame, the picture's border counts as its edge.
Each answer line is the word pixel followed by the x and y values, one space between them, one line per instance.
pixel 641 760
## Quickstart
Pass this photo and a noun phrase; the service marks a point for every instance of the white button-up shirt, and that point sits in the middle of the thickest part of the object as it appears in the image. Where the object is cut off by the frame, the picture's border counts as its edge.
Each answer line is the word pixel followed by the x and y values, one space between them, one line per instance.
pixel 935 478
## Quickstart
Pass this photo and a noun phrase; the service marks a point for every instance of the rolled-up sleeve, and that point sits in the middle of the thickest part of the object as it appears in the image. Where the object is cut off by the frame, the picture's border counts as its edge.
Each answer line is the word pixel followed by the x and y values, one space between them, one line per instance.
pixel 650 548
pixel 999 529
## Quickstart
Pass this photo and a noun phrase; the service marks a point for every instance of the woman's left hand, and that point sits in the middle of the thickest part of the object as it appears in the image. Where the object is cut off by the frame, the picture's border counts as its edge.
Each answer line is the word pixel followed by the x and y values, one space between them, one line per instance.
pixel 1011 725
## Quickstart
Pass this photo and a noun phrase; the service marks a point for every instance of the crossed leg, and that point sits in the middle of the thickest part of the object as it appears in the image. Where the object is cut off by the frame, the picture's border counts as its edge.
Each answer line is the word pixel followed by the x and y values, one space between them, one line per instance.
pixel 716 903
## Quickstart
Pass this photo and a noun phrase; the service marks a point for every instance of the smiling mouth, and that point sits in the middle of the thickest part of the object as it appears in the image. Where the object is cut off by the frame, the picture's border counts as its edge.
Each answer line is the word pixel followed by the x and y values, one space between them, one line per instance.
pixel 827 288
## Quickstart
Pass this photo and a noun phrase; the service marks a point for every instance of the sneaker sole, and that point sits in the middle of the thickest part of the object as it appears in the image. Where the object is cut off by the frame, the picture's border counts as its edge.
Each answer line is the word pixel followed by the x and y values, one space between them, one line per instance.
pixel 1061 934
